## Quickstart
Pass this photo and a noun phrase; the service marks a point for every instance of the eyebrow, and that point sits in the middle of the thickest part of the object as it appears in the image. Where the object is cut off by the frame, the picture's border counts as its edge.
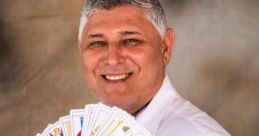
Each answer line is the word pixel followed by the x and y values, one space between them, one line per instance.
pixel 122 33
pixel 130 33
pixel 95 35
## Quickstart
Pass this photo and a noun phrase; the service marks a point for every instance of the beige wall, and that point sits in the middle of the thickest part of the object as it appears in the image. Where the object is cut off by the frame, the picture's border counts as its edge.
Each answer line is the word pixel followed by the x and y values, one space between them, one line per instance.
pixel 215 62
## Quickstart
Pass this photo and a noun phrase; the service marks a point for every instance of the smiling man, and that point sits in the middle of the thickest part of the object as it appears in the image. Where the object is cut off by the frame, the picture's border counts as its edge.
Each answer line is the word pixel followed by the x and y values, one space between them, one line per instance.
pixel 125 46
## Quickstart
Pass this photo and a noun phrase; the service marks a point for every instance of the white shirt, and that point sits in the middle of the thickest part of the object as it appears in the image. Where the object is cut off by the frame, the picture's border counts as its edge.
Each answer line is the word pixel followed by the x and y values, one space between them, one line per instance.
pixel 168 114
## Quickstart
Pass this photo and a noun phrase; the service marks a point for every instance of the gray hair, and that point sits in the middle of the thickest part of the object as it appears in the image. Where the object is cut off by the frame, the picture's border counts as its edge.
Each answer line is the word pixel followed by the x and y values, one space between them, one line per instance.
pixel 155 12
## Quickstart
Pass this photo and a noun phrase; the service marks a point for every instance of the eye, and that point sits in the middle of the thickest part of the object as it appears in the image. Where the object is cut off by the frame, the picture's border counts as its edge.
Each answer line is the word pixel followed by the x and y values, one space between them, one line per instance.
pixel 97 44
pixel 131 42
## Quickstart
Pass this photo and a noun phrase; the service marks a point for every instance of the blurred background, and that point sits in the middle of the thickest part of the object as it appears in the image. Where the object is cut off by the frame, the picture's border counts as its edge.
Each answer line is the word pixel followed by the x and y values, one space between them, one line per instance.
pixel 214 64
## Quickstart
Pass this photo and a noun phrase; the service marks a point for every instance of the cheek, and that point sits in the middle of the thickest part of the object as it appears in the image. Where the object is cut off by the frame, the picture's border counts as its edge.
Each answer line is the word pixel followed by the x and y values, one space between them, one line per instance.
pixel 86 64
pixel 153 58
pixel 89 66
pixel 152 65
pixel 89 62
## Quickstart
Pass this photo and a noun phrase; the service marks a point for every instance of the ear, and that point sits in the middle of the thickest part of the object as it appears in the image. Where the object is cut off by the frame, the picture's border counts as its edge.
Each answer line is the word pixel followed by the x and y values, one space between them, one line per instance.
pixel 168 42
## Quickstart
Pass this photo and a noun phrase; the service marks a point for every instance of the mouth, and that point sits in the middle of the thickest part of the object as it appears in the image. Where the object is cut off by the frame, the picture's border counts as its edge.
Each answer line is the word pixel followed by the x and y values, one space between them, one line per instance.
pixel 116 77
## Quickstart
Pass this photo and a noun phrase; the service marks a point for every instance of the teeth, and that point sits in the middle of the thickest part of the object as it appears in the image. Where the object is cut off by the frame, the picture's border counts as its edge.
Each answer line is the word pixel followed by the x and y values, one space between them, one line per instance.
pixel 116 77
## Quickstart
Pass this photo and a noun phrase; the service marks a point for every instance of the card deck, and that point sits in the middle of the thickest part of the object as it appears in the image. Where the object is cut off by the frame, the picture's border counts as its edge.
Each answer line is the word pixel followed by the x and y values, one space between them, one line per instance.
pixel 96 120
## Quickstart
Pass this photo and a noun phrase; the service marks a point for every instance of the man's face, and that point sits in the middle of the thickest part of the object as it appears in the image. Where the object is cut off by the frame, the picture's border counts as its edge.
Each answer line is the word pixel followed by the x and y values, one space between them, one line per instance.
pixel 123 57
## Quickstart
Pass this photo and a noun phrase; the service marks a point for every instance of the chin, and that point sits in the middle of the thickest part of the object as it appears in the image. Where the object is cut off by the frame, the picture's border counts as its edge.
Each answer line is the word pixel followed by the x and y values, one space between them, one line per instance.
pixel 131 105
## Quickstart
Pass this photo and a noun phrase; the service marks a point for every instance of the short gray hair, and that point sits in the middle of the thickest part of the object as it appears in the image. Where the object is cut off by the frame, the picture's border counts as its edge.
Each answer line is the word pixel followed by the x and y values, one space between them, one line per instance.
pixel 155 12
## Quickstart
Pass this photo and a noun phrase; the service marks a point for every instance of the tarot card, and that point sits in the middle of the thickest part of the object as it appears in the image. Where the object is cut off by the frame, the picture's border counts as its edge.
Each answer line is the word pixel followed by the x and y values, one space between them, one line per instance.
pixel 90 117
pixel 121 125
pixel 93 111
pixel 124 128
pixel 100 114
pixel 118 121
pixel 66 124
pixel 55 130
pixel 86 120
pixel 77 117
pixel 111 120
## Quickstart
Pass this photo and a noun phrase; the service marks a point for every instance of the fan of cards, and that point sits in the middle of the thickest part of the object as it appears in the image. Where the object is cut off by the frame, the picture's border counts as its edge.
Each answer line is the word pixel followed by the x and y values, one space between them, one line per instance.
pixel 96 120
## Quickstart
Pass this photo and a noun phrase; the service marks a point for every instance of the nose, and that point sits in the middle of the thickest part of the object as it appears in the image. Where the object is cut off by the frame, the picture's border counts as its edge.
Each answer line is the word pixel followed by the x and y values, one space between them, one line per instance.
pixel 114 55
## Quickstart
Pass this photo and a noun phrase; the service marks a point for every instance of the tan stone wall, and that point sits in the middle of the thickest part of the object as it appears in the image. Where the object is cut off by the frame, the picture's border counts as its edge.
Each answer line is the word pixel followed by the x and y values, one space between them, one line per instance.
pixel 215 62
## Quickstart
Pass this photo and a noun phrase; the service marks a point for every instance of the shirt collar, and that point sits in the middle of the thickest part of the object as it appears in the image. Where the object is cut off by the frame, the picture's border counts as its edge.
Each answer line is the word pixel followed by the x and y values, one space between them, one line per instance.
pixel 151 115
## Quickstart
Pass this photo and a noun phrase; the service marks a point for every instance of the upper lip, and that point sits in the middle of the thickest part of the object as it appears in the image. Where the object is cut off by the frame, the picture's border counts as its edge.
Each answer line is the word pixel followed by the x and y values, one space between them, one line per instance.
pixel 115 73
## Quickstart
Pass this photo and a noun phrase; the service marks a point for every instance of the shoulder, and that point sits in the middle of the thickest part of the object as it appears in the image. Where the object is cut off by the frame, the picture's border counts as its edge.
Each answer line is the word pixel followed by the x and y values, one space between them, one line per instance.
pixel 182 118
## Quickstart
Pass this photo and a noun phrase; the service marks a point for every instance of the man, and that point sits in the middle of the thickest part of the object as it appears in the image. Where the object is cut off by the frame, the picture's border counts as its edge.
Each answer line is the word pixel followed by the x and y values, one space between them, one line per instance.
pixel 125 46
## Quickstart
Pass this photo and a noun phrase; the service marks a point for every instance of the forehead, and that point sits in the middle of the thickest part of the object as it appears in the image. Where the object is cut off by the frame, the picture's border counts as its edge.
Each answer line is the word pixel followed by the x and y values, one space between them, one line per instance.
pixel 123 17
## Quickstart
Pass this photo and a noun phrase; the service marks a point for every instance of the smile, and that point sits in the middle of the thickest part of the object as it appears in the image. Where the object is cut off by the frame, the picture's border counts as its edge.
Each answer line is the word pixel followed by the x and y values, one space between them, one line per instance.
pixel 116 77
